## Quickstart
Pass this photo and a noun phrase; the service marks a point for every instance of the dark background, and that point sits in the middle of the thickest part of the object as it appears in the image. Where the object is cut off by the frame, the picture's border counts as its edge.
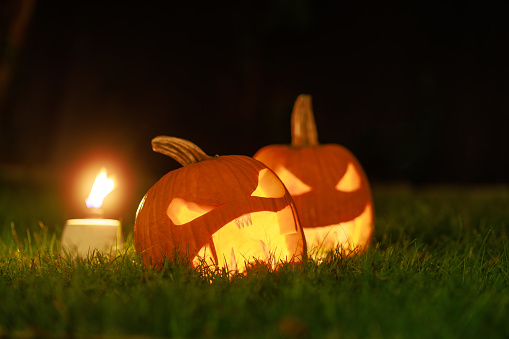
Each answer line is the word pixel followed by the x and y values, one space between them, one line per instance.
pixel 419 92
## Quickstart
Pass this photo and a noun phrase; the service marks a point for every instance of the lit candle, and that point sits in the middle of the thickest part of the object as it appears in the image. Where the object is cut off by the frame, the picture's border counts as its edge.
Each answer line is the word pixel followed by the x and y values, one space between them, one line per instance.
pixel 82 237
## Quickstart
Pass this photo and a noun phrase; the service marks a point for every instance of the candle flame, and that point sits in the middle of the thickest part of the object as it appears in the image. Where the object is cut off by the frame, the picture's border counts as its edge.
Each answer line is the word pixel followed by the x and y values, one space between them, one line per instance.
pixel 102 186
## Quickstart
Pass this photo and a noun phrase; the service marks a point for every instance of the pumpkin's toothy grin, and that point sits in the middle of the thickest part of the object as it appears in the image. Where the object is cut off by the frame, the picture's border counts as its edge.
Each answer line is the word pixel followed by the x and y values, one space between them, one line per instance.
pixel 244 221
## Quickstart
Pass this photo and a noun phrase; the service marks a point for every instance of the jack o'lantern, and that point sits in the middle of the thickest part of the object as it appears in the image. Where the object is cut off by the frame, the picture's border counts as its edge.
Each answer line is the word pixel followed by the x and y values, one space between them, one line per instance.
pixel 327 183
pixel 227 210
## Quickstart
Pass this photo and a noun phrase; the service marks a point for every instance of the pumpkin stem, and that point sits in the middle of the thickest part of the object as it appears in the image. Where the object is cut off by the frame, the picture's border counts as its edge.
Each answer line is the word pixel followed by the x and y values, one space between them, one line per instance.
pixel 184 151
pixel 303 123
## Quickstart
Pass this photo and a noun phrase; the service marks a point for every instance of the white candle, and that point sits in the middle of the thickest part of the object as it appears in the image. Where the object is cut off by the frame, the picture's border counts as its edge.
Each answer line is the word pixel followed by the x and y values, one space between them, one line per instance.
pixel 84 237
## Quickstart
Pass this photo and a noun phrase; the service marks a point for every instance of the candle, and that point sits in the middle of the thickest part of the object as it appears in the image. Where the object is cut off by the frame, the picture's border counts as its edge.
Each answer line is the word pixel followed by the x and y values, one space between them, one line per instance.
pixel 83 237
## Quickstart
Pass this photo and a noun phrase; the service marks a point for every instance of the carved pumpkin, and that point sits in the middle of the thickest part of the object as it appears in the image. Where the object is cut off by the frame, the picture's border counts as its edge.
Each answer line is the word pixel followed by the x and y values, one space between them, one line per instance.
pixel 227 210
pixel 327 183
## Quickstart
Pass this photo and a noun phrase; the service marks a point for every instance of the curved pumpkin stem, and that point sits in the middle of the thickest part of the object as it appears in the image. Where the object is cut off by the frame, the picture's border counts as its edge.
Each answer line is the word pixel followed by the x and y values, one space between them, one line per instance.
pixel 184 151
pixel 303 123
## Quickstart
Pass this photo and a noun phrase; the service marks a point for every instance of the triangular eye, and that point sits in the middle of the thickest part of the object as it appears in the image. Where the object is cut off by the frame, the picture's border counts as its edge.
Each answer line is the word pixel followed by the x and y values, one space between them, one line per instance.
pixel 181 211
pixel 269 186
pixel 293 184
pixel 351 181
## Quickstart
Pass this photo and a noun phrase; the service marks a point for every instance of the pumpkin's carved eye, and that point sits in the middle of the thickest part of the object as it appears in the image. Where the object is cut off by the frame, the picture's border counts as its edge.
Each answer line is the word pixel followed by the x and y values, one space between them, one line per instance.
pixel 351 181
pixel 293 184
pixel 269 186
pixel 181 211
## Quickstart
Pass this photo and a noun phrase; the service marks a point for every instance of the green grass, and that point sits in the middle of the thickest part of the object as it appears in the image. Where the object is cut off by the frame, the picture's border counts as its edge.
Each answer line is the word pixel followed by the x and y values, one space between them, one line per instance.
pixel 438 268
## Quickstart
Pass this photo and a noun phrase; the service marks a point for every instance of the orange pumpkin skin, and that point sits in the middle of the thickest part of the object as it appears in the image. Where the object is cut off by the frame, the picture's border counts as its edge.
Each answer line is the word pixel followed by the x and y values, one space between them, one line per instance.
pixel 238 211
pixel 329 187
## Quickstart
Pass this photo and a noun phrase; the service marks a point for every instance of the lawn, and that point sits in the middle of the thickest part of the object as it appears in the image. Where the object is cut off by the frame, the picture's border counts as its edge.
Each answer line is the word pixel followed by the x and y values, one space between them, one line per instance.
pixel 438 267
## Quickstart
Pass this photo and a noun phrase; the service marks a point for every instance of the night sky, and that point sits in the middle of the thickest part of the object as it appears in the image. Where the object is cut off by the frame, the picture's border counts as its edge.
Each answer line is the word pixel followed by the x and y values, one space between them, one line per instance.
pixel 418 92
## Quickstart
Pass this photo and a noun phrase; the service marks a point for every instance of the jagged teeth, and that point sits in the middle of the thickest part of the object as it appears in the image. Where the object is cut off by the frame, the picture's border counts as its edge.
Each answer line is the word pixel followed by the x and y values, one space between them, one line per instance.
pixel 244 221
pixel 233 261
pixel 269 257
pixel 265 249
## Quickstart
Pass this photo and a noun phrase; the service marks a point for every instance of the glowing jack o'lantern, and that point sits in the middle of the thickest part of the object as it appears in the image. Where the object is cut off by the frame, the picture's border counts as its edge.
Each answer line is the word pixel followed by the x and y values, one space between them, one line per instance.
pixel 227 210
pixel 327 183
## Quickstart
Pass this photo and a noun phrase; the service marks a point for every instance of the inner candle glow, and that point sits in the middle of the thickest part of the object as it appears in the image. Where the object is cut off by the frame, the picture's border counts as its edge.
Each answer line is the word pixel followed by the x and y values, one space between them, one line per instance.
pixel 83 237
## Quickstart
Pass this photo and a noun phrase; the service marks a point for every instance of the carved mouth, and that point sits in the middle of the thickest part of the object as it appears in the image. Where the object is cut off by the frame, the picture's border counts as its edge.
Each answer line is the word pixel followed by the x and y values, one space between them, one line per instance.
pixel 256 236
